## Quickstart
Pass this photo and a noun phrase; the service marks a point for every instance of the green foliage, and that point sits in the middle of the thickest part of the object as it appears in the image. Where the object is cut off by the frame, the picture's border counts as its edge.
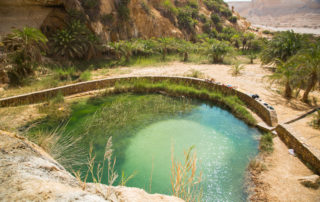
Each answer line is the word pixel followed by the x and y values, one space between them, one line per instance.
pixel 206 28
pixel 225 12
pixel 213 5
pixel 266 143
pixel 66 74
pixel 123 10
pixel 219 27
pixel 283 46
pixel 267 32
pixel 308 67
pixel 316 120
pixel 90 4
pixel 215 18
pixel 185 19
pixel 231 103
pixel 203 18
pixel 145 7
pixel 236 69
pixel 216 50
pixel 196 74
pixel 85 76
pixel 285 75
pixel 233 19
pixel 76 41
pixel 24 48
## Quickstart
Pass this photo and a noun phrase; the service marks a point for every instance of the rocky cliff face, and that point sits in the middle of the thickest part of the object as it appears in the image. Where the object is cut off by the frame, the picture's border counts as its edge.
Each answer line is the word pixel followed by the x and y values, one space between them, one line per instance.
pixel 105 18
pixel 281 13
pixel 27 173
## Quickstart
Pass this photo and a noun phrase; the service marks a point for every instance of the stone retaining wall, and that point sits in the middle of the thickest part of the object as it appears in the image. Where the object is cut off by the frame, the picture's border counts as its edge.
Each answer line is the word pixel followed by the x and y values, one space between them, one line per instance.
pixel 309 155
pixel 269 116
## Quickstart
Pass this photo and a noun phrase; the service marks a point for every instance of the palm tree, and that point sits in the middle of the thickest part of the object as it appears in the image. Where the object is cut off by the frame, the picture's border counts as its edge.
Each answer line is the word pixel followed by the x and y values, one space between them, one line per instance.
pixel 25 48
pixel 216 50
pixel 74 42
pixel 164 44
pixel 283 46
pixel 285 74
pixel 236 69
pixel 309 67
pixel 185 47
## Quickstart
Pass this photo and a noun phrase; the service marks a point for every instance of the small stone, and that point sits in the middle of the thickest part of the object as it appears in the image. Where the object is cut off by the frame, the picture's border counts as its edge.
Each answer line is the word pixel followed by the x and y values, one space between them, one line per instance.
pixel 312 181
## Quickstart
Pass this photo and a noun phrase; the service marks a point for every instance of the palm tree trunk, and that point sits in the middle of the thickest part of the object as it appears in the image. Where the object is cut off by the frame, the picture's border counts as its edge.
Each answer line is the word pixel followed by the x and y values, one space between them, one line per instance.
pixel 288 90
pixel 185 56
pixel 311 84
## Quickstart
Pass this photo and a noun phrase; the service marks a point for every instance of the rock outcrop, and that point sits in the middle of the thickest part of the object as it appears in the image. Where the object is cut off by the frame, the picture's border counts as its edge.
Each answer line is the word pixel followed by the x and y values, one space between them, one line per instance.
pixel 27 173
pixel 105 18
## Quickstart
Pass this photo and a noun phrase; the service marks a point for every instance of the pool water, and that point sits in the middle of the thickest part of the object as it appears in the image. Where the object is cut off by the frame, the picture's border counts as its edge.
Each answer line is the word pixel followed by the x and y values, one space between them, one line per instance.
pixel 145 128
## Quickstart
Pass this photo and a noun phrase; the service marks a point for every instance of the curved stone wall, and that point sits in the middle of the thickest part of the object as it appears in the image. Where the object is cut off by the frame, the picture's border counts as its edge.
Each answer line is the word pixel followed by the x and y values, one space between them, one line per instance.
pixel 309 155
pixel 269 116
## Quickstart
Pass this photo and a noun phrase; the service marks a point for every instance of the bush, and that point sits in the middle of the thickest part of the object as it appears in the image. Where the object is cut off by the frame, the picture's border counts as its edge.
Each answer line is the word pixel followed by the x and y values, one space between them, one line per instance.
pixel 24 48
pixel 202 18
pixel 76 41
pixel 206 28
pixel 66 74
pixel 266 143
pixel 85 76
pixel 233 19
pixel 225 12
pixel 123 10
pixel 212 5
pixel 219 27
pixel 185 20
pixel 316 120
pixel 89 4
pixel 215 18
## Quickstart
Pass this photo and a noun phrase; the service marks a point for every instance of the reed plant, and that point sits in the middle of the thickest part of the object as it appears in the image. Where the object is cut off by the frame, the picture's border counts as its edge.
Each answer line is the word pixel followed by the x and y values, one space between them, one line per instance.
pixel 231 103
pixel 185 181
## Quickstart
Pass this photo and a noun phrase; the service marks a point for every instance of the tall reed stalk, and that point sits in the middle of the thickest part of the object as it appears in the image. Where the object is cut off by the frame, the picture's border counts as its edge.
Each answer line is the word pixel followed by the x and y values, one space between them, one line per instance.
pixel 185 181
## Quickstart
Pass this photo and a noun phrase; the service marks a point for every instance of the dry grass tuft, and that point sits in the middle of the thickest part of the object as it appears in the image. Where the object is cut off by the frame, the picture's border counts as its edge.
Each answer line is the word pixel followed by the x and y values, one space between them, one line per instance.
pixel 184 180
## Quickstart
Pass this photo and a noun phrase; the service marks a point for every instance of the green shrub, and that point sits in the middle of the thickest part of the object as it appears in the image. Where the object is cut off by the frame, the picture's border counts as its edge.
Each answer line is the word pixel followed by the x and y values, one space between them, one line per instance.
pixel 24 48
pixel 266 143
pixel 206 28
pixel 233 19
pixel 76 41
pixel 266 32
pixel 316 120
pixel 123 10
pixel 219 27
pixel 85 76
pixel 225 12
pixel 215 18
pixel 212 5
pixel 66 74
pixel 203 18
pixel 89 4
pixel 185 19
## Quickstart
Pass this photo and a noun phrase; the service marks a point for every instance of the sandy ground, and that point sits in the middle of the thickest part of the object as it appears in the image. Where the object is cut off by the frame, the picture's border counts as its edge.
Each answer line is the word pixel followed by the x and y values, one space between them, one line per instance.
pixel 279 182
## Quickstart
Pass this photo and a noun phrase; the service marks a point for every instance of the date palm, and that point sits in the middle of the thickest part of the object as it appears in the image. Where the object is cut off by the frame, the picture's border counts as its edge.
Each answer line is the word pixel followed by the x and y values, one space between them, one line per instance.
pixel 282 47
pixel 25 48
pixel 309 67
pixel 285 74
